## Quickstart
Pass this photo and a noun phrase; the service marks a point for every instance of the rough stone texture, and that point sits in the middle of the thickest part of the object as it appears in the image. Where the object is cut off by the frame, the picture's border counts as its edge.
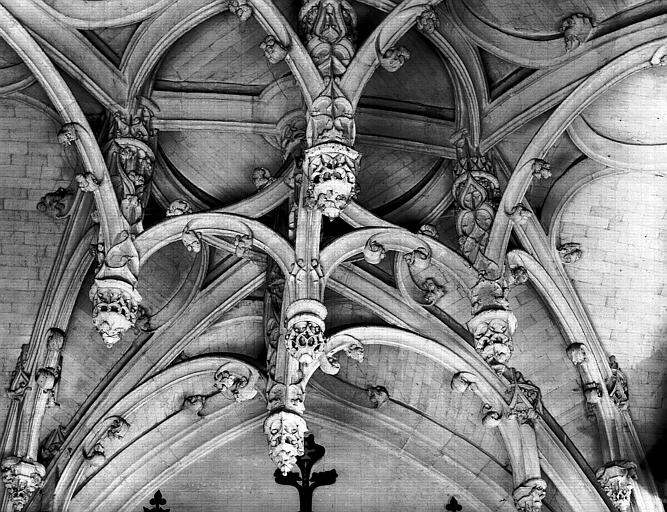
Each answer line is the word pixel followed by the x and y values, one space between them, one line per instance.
pixel 622 278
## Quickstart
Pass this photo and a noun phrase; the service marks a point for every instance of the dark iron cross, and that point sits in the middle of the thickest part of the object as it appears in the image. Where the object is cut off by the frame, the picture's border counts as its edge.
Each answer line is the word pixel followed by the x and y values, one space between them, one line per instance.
pixel 306 482
pixel 453 505
pixel 156 501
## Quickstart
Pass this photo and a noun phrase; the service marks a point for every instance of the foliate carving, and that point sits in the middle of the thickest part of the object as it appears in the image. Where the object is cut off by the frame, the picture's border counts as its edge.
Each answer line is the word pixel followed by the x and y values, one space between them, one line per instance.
pixel 192 240
pixel 115 307
pixel 529 495
pixel 20 375
pixel 577 353
pixel 261 178
pixel 22 478
pixel 570 252
pixel 617 384
pixel 56 204
pixel 285 433
pixel 429 230
pixel 576 30
pixel 617 479
pixel 433 292
pixel 87 182
pixel 331 118
pixel 179 207
pixel 428 20
pixel 520 215
pixel 237 381
pixel 393 59
pixel 241 9
pixel 526 402
pixel 541 169
pixel 332 177
pixel 464 381
pixel 274 51
pixel 476 191
pixel 328 28
pixel 492 331
pixel 378 395
pixel 374 252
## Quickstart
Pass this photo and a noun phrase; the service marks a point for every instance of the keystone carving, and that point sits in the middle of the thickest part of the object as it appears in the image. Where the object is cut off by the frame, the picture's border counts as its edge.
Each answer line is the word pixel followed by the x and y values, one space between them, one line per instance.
pixel 617 385
pixel 576 30
pixel 179 207
pixel 20 375
pixel 328 28
pixel 261 178
pixel 241 9
pixel 393 59
pixel 285 433
pixel 570 252
pixel 529 495
pixel 332 177
pixel 617 479
pixel 274 51
pixel 237 381
pixel 526 402
pixel 541 169
pixel 56 204
pixel 428 20
pixel 378 395
pixel 115 307
pixel 22 478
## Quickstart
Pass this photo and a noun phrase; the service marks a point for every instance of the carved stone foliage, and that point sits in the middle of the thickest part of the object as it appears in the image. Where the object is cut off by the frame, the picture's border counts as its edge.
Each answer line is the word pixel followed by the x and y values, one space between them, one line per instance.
pixel 20 376
pixel 393 59
pixel 476 191
pixel 115 307
pixel 261 178
pixel 529 495
pixel 22 478
pixel 526 399
pixel 328 28
pixel 570 252
pixel 492 331
pixel 179 207
pixel 576 30
pixel 331 169
pixel 285 433
pixel 273 49
pixel 57 204
pixel 130 162
pixel 236 381
pixel 617 384
pixel 617 479
pixel 428 20
pixel 378 395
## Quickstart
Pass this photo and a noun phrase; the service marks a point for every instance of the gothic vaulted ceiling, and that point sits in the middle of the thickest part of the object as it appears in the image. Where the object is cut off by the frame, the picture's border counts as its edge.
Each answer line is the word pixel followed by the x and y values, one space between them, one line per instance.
pixel 431 233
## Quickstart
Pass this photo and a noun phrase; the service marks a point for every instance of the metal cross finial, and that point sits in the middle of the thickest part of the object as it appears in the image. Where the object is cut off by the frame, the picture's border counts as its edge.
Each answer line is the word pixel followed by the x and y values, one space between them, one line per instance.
pixel 307 483
pixel 453 505
pixel 156 501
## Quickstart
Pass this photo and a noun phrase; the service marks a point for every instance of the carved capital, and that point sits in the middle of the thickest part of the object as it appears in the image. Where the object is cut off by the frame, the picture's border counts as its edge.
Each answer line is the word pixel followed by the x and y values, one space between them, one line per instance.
pixel 529 495
pixel 331 169
pixel 393 59
pixel 493 330
pixel 236 380
pixel 274 50
pixel 617 479
pixel 304 338
pixel 285 433
pixel 22 478
pixel 179 207
pixel 115 307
